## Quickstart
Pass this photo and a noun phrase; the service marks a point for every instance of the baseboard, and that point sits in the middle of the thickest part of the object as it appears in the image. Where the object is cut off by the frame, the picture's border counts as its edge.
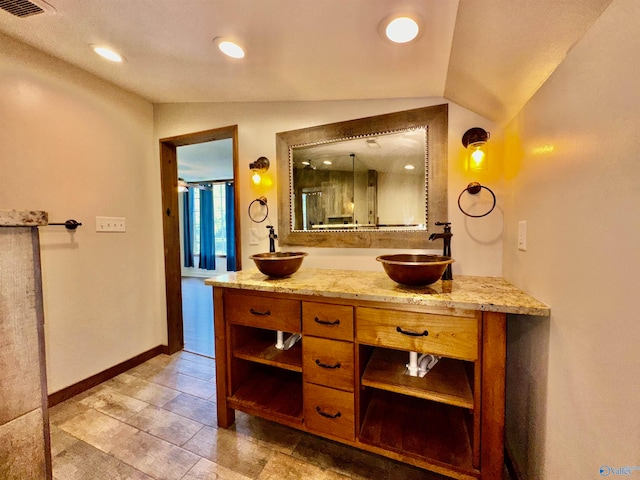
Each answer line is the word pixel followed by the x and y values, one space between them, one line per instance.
pixel 511 464
pixel 72 390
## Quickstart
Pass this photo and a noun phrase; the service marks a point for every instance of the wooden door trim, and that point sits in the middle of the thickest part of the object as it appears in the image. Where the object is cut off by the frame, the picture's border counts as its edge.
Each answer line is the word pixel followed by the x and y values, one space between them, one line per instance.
pixel 171 221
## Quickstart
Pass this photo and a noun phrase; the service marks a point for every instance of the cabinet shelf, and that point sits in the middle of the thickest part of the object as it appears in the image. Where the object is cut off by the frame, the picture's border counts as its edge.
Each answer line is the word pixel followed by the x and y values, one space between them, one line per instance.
pixel 446 382
pixel 272 394
pixel 263 350
pixel 427 431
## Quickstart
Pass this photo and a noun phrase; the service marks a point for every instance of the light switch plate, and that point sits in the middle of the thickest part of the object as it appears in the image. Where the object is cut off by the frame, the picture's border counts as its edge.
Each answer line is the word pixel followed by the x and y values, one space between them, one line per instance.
pixel 522 235
pixel 110 224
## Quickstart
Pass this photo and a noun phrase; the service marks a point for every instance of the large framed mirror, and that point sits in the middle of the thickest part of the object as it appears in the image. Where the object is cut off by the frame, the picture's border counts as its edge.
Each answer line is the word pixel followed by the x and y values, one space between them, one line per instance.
pixel 378 181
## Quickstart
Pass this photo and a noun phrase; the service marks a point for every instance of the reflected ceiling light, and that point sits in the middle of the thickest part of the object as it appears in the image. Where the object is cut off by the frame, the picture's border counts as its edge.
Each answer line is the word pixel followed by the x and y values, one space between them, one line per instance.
pixel 401 28
pixel 475 141
pixel 327 162
pixel 107 53
pixel 229 48
pixel 306 162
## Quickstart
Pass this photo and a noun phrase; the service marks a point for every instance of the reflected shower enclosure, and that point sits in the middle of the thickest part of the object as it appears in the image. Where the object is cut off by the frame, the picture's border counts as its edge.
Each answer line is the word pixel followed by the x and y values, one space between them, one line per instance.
pixel 373 182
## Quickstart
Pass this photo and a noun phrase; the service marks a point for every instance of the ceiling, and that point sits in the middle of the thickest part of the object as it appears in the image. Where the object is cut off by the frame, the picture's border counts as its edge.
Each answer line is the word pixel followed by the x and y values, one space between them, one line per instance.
pixel 489 56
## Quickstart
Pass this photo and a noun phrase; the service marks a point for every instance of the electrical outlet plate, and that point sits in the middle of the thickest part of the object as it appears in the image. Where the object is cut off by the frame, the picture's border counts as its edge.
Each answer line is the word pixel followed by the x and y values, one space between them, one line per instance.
pixel 253 236
pixel 110 224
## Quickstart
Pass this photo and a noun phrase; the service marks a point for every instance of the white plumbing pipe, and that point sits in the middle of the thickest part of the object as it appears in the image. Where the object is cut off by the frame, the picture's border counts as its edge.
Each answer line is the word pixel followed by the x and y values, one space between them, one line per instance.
pixel 280 340
pixel 412 366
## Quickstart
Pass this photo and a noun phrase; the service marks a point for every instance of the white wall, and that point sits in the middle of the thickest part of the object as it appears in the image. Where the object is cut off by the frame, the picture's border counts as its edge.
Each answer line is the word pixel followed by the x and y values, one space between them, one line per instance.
pixel 78 147
pixel 573 387
pixel 477 243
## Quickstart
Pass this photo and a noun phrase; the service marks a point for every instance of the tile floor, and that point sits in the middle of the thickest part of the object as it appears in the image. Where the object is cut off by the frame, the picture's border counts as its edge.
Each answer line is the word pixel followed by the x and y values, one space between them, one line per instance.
pixel 158 421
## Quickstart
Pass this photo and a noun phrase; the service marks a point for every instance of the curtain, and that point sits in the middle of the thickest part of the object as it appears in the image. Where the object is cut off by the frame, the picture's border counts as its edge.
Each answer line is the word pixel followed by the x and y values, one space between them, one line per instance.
pixel 187 227
pixel 207 238
pixel 230 218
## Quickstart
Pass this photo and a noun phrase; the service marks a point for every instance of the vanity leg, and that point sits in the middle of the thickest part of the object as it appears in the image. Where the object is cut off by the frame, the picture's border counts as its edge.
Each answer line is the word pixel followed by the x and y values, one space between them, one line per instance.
pixel 493 394
pixel 226 415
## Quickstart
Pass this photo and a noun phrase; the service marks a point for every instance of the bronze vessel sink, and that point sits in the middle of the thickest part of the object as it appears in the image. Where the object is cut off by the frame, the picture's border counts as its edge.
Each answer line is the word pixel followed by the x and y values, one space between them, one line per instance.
pixel 278 264
pixel 414 269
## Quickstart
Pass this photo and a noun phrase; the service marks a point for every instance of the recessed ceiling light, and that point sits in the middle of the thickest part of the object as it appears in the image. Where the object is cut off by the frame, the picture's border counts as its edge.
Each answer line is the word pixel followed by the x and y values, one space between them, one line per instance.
pixel 401 28
pixel 327 162
pixel 409 167
pixel 229 48
pixel 107 53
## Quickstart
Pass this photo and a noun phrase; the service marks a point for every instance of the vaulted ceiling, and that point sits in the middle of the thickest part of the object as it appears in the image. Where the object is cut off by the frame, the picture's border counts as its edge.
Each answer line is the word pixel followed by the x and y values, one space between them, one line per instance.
pixel 489 56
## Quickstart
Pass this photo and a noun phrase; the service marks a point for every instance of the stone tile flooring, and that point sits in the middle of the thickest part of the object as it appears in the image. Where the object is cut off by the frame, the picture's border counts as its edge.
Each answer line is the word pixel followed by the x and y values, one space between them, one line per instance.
pixel 158 421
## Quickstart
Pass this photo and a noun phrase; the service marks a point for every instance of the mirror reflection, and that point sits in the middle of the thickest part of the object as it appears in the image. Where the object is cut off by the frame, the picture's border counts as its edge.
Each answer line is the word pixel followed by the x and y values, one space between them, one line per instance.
pixel 351 183
pixel 373 182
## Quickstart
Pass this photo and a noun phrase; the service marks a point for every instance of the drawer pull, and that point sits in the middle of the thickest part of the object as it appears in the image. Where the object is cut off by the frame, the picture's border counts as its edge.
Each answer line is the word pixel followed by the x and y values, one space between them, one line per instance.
pixel 413 334
pixel 256 312
pixel 324 365
pixel 327 415
pixel 325 322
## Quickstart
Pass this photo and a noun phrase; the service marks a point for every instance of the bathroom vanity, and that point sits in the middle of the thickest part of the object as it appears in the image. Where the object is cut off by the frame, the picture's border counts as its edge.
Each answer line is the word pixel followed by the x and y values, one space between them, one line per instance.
pixel 346 379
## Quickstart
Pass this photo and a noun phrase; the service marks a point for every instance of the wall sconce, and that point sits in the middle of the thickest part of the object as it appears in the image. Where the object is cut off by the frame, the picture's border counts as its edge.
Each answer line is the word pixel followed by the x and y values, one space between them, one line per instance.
pixel 259 167
pixel 475 140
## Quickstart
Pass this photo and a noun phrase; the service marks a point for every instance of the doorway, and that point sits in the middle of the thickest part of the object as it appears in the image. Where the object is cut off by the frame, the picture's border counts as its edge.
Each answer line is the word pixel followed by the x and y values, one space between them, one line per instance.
pixel 171 202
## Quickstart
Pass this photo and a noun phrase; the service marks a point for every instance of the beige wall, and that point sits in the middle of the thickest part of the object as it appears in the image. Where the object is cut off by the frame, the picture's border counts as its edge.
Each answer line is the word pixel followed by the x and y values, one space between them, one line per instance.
pixel 574 381
pixel 78 147
pixel 477 243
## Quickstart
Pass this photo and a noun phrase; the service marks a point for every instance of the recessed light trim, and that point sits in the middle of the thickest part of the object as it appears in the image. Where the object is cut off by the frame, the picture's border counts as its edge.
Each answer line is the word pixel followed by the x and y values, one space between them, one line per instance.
pixel 401 28
pixel 229 48
pixel 107 53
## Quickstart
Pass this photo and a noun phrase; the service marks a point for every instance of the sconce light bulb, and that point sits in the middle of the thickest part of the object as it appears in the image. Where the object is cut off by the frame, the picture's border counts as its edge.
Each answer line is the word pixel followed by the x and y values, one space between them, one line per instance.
pixel 256 178
pixel 477 157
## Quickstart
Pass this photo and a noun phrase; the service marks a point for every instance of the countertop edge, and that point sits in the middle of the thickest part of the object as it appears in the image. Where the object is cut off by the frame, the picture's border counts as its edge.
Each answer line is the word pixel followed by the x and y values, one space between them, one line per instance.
pixel 486 304
pixel 23 218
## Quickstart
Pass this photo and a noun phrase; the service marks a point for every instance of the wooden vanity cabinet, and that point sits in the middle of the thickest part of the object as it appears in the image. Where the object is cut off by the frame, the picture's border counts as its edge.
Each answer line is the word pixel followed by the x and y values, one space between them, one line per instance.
pixel 345 380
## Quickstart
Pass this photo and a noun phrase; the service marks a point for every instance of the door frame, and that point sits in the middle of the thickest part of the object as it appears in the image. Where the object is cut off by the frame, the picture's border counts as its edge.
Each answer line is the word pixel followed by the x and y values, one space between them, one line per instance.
pixel 171 222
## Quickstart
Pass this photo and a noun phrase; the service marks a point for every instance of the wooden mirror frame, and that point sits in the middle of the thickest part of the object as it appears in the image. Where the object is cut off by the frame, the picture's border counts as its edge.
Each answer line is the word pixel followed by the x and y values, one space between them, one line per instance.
pixel 435 118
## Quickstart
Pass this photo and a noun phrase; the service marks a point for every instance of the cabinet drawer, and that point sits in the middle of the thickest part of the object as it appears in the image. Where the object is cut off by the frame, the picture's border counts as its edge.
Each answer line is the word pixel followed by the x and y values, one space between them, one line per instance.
pixel 262 312
pixel 326 320
pixel 447 335
pixel 328 362
pixel 329 411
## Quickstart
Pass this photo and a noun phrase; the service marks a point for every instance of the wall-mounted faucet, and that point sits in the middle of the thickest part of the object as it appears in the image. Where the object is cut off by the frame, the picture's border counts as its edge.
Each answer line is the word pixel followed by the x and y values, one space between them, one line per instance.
pixel 446 250
pixel 272 238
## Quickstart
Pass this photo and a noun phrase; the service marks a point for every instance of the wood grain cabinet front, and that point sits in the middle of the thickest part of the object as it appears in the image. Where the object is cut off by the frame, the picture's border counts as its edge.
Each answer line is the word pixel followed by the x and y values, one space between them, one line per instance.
pixel 262 311
pixel 329 411
pixel 346 379
pixel 327 321
pixel 454 336
pixel 328 362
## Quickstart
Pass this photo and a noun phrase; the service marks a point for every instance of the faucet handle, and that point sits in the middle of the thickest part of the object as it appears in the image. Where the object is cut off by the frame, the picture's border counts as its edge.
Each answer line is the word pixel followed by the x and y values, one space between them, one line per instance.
pixel 446 224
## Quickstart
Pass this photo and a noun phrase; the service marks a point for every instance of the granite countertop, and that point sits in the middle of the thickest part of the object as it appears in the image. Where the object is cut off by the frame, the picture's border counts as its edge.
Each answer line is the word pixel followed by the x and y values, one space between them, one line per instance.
pixel 491 294
pixel 23 218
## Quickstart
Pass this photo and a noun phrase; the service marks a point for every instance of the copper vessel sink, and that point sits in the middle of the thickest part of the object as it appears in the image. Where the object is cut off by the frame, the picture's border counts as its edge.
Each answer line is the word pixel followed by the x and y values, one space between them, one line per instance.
pixel 414 269
pixel 278 264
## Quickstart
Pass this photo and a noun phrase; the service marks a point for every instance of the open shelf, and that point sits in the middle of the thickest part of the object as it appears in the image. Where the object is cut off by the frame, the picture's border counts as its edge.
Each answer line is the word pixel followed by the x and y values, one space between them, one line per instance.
pixel 263 350
pixel 446 382
pixel 424 430
pixel 271 393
